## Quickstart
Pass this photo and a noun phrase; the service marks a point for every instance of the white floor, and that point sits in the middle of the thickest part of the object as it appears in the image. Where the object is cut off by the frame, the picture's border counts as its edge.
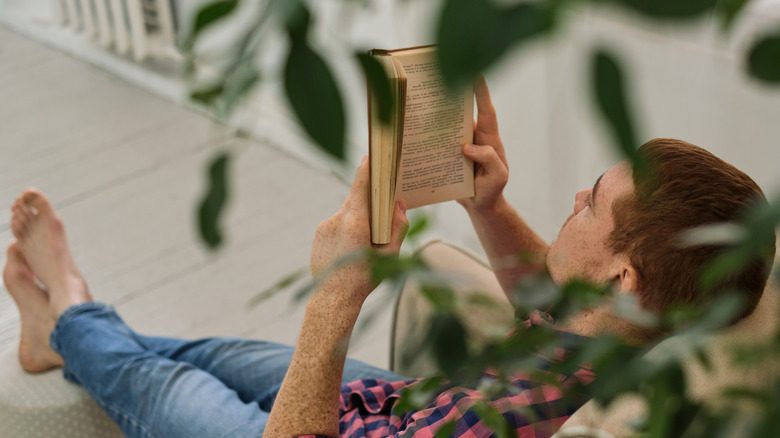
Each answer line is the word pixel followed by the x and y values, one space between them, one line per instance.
pixel 125 169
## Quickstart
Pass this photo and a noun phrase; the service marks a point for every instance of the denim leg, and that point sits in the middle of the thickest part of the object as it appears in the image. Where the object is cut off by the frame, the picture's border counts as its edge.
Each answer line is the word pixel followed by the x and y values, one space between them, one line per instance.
pixel 254 369
pixel 153 386
pixel 145 394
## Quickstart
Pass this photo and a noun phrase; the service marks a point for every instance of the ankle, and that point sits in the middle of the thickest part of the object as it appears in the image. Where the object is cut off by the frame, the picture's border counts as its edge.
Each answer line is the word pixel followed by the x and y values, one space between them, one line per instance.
pixel 65 297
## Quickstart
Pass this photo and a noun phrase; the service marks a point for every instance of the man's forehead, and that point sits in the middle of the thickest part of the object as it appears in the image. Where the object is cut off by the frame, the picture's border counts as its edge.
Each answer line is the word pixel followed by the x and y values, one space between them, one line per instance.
pixel 616 181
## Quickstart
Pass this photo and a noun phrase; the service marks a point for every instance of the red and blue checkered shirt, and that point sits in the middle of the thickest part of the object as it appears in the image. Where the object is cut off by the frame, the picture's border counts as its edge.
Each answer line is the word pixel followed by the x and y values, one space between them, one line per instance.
pixel 367 406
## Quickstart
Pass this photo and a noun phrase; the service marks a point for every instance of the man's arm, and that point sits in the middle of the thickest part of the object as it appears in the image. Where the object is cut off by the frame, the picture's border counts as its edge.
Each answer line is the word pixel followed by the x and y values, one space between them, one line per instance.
pixel 308 401
pixel 504 235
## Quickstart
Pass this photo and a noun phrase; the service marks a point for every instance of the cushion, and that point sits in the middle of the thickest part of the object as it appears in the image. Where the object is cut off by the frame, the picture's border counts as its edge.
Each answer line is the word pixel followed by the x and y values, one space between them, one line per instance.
pixel 46 405
pixel 470 276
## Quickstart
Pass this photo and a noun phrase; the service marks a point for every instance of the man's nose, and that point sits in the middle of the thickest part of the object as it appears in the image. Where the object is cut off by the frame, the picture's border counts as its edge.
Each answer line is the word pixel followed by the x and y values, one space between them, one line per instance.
pixel 579 200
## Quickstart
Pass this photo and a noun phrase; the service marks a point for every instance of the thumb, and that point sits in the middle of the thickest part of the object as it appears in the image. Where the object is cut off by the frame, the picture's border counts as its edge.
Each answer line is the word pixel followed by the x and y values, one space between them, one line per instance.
pixel 400 227
pixel 485 156
pixel 360 185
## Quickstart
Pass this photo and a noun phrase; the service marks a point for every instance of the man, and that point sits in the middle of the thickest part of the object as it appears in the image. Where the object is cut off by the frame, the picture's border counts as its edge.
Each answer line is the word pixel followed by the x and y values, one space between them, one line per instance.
pixel 227 387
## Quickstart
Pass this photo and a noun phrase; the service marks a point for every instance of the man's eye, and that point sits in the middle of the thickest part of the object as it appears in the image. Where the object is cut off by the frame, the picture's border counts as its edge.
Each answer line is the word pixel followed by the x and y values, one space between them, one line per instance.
pixel 588 200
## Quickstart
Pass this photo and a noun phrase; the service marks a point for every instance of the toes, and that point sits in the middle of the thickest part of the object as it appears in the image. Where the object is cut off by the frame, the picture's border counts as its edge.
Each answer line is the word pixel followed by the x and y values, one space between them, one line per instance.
pixel 20 221
pixel 19 206
pixel 13 251
pixel 25 208
pixel 21 213
pixel 36 201
pixel 16 267
pixel 18 228
pixel 16 255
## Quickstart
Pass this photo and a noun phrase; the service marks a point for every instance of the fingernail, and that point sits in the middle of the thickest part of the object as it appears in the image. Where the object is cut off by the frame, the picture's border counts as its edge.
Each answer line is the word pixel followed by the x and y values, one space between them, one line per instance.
pixel 363 160
pixel 402 205
pixel 471 148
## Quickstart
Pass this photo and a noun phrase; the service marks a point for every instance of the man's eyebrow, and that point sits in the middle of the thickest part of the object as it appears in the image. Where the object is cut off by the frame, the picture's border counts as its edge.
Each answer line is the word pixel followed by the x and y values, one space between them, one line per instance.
pixel 594 191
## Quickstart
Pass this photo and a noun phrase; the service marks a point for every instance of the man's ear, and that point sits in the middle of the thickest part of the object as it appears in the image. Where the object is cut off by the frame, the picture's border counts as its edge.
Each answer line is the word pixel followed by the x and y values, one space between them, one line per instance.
pixel 628 278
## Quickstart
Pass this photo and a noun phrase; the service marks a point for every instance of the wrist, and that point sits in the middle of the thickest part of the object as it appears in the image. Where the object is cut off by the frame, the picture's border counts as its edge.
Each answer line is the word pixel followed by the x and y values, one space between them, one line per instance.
pixel 498 206
pixel 339 294
pixel 330 320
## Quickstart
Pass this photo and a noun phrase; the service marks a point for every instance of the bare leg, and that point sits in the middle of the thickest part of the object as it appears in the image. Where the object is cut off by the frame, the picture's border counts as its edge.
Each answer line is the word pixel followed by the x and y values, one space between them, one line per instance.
pixel 35 355
pixel 42 242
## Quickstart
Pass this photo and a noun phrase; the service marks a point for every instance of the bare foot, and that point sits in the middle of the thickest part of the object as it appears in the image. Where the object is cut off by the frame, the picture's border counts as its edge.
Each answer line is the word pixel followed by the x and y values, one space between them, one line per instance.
pixel 41 240
pixel 35 355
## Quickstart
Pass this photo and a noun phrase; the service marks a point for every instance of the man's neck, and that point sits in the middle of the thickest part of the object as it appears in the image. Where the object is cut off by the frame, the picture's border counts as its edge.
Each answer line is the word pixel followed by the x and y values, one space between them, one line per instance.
pixel 601 321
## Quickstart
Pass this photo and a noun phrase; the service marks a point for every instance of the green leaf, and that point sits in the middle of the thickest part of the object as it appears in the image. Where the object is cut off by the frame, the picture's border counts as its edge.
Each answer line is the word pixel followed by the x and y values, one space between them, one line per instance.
pixel 417 396
pixel 764 59
pixel 671 9
pixel 207 16
pixel 474 34
pixel 770 423
pixel 670 411
pixel 446 430
pixel 448 338
pixel 619 369
pixel 759 224
pixel 534 292
pixel 704 359
pixel 279 286
pixel 296 17
pixel 729 10
pixel 379 86
pixel 612 101
pixel 720 312
pixel 392 267
pixel 314 96
pixel 756 396
pixel 494 420
pixel 419 223
pixel 207 95
pixel 442 298
pixel 213 202
pixel 239 84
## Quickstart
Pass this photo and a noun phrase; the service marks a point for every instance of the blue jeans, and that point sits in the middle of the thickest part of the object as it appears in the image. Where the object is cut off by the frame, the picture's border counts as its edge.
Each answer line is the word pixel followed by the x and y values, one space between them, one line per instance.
pixel 162 387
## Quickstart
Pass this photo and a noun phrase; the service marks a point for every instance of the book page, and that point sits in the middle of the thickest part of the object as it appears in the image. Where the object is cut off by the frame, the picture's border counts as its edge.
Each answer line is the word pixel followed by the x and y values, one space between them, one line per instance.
pixel 437 123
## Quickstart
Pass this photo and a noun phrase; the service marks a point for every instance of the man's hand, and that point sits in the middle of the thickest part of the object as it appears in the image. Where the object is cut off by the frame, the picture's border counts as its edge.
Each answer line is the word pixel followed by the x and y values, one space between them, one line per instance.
pixel 347 234
pixel 503 233
pixel 492 171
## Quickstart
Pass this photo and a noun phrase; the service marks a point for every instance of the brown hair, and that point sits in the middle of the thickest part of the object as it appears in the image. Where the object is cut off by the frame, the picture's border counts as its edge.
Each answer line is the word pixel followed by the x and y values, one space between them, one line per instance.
pixel 686 187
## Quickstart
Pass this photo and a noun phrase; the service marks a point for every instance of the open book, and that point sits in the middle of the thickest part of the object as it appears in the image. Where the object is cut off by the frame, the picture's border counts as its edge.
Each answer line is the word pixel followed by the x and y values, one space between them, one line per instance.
pixel 417 156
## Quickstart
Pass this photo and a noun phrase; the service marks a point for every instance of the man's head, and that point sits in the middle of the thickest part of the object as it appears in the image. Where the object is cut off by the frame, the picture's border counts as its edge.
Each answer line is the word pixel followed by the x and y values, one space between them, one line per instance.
pixel 581 250
pixel 629 232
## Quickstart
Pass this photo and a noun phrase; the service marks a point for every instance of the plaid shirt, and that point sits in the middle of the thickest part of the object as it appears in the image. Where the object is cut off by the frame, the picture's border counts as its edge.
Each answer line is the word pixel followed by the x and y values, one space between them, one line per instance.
pixel 367 406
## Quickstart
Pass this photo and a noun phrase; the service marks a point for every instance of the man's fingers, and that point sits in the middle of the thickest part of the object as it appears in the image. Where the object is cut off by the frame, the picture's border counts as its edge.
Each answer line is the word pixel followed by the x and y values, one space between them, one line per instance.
pixel 400 226
pixel 360 185
pixel 487 122
pixel 486 129
pixel 485 156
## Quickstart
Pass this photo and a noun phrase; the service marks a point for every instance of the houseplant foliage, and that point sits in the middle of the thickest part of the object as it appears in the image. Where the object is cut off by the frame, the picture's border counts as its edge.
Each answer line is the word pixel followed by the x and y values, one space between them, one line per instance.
pixel 474 35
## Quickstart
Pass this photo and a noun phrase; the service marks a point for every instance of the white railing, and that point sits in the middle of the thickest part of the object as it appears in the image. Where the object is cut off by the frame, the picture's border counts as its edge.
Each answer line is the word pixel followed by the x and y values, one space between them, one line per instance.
pixel 145 28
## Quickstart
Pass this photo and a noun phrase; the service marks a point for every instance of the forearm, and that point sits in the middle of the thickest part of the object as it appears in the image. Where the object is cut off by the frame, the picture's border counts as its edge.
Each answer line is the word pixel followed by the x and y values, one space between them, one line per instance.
pixel 308 400
pixel 513 248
